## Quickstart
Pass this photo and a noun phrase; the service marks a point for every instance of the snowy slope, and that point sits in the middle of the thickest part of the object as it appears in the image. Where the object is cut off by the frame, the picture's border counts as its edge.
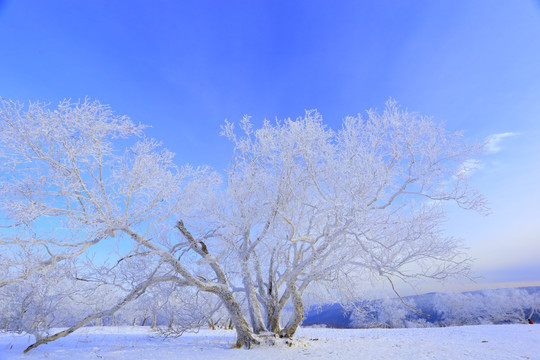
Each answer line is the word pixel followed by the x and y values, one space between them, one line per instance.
pixel 495 342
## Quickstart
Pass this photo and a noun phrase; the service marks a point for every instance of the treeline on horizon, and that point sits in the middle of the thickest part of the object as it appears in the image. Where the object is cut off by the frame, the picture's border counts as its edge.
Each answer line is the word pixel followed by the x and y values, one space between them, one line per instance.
pixel 153 309
pixel 491 306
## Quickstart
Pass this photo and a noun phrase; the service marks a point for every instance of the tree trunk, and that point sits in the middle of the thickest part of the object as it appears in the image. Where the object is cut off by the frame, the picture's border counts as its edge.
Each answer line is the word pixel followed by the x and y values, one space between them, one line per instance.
pixel 255 315
pixel 244 334
pixel 274 315
pixel 135 293
pixel 278 305
pixel 292 326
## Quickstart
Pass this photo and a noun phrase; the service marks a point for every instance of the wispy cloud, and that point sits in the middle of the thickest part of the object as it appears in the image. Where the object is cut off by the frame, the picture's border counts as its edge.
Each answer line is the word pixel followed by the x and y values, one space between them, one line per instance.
pixel 493 142
pixel 468 167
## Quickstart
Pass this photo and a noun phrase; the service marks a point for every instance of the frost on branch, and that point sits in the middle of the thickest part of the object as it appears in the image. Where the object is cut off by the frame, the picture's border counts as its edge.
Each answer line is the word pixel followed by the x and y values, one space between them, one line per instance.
pixel 303 208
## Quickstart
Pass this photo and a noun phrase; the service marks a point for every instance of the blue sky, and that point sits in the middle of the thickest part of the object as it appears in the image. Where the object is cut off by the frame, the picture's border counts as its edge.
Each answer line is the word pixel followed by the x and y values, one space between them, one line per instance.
pixel 183 67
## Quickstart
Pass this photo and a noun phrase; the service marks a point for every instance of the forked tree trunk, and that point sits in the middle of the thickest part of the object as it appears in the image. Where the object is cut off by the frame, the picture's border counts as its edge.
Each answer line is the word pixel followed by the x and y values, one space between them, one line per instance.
pixel 273 320
pixel 255 315
pixel 293 324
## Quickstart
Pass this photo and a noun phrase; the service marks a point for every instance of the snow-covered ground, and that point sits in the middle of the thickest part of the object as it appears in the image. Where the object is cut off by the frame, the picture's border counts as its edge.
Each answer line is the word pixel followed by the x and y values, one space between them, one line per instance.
pixel 492 342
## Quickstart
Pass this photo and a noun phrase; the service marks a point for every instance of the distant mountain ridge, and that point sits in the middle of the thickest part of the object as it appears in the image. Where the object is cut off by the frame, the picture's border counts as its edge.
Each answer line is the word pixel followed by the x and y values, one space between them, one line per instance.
pixel 503 305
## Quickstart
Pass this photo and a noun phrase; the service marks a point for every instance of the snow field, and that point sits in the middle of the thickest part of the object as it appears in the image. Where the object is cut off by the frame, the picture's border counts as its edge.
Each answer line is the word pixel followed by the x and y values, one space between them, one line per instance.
pixel 494 342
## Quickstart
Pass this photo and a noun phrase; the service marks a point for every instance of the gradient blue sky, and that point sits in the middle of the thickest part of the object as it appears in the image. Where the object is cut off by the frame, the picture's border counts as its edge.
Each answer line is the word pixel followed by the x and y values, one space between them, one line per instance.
pixel 185 66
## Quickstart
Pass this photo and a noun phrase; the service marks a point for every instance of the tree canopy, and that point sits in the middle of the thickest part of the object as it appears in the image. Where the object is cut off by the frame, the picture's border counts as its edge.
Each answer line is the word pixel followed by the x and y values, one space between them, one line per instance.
pixel 301 207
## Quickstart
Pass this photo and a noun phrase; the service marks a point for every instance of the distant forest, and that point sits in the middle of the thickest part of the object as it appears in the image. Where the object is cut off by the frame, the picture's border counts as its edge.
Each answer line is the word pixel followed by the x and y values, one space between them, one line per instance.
pixel 494 306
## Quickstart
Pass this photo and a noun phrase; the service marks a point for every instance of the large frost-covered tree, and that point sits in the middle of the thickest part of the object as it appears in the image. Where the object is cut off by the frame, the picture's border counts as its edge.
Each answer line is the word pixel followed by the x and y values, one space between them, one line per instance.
pixel 302 207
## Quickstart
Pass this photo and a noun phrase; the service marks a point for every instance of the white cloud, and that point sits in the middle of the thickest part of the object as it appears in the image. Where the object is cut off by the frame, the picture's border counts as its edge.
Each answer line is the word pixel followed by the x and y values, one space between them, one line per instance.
pixel 468 167
pixel 493 142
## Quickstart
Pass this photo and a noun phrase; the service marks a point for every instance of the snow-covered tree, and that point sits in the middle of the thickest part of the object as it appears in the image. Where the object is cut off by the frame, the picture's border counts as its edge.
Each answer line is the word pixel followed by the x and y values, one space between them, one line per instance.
pixel 305 205
pixel 388 313
pixel 491 306
pixel 38 303
pixel 301 206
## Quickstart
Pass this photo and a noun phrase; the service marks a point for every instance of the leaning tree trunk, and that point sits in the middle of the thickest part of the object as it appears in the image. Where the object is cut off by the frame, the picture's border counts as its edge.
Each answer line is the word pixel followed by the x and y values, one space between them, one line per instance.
pixel 134 294
pixel 244 334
